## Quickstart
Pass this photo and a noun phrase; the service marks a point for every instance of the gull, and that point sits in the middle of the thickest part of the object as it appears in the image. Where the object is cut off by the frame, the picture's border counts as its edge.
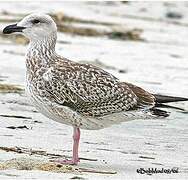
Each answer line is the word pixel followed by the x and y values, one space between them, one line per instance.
pixel 75 94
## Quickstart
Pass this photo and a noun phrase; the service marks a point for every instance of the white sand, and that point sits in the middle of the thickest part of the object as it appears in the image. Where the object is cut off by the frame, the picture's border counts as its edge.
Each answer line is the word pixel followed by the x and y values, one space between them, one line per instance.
pixel 159 65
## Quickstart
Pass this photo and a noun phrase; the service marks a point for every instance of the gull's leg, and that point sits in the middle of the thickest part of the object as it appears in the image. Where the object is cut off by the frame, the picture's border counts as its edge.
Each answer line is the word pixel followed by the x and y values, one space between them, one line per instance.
pixel 76 139
pixel 75 158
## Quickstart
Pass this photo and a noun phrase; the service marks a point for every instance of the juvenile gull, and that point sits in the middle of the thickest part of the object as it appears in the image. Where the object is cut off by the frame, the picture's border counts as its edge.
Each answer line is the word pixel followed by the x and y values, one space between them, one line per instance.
pixel 80 95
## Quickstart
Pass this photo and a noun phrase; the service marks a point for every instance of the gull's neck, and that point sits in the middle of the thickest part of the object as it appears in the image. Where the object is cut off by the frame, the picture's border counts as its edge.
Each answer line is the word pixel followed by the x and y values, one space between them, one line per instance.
pixel 42 49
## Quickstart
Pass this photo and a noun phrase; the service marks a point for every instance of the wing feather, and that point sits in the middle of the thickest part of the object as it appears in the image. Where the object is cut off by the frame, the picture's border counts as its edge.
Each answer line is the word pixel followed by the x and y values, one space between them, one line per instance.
pixel 90 90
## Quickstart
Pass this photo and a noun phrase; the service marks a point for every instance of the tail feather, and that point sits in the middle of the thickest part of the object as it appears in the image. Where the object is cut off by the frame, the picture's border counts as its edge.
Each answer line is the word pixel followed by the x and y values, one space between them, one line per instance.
pixel 159 112
pixel 167 99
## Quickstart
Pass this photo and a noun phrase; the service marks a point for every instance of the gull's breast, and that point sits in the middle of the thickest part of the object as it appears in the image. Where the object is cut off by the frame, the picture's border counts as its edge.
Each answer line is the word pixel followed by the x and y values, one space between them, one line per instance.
pixel 50 109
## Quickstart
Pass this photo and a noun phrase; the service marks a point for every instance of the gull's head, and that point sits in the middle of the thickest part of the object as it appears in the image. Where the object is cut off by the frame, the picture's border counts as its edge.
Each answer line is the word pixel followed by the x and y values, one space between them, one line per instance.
pixel 35 26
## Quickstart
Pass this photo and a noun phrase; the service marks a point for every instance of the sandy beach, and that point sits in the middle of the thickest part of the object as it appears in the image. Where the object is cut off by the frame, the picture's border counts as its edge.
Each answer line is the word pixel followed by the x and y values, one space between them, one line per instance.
pixel 144 43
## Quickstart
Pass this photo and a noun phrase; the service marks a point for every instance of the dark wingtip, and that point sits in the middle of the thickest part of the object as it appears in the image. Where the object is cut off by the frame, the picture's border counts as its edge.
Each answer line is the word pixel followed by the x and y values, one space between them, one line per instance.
pixel 167 99
pixel 169 106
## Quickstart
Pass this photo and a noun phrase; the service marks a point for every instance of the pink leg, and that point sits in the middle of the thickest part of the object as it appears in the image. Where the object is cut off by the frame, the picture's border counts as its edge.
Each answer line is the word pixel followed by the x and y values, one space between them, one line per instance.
pixel 75 158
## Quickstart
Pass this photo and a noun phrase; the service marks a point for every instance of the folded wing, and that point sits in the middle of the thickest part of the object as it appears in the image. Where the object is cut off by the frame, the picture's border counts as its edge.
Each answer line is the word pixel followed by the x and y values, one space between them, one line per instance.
pixel 92 91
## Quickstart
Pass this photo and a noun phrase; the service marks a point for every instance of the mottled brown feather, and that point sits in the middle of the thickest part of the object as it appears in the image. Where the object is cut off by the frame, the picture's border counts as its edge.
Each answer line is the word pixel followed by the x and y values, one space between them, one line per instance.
pixel 144 97
pixel 87 89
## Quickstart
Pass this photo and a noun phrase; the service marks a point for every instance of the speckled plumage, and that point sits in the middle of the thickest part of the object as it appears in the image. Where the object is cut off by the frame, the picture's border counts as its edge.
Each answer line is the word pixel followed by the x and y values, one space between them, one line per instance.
pixel 80 94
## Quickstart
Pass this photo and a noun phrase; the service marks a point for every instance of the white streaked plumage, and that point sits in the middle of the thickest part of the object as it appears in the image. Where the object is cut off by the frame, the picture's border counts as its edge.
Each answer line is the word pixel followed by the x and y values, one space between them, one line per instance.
pixel 76 94
pixel 80 95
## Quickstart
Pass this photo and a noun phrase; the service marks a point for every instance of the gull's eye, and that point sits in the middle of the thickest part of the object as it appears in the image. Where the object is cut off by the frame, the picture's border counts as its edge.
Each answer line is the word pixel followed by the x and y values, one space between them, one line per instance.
pixel 35 21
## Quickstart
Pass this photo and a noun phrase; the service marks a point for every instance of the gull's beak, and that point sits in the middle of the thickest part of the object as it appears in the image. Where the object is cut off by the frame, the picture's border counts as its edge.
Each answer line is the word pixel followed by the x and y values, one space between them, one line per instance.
pixel 13 28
